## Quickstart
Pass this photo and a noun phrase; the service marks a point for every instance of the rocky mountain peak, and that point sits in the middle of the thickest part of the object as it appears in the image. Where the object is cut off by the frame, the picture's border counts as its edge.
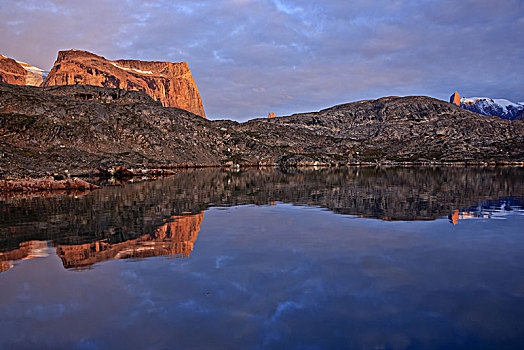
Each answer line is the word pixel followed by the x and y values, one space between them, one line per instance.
pixel 455 99
pixel 172 84
pixel 66 55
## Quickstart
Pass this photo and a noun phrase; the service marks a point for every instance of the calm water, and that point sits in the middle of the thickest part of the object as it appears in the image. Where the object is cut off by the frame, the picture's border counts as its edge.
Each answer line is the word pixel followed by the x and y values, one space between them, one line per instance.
pixel 328 259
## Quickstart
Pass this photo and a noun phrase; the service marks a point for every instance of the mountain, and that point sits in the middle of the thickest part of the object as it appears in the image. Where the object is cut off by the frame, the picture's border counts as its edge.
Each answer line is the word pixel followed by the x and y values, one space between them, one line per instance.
pixel 499 107
pixel 20 73
pixel 502 108
pixel 169 83
pixel 82 128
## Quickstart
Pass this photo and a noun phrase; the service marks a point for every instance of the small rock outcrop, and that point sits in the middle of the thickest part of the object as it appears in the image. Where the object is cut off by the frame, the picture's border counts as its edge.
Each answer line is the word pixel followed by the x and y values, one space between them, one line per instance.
pixel 455 99
pixel 271 115
pixel 169 83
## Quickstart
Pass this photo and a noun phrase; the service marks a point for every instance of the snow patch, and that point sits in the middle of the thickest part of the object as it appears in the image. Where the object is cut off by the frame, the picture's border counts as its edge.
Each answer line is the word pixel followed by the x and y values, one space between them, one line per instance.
pixel 505 103
pixel 132 69
pixel 29 67
pixel 489 106
pixel 35 75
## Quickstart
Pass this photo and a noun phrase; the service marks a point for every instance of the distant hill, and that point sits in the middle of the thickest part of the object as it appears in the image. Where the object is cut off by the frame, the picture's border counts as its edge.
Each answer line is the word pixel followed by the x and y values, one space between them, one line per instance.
pixel 487 106
pixel 20 73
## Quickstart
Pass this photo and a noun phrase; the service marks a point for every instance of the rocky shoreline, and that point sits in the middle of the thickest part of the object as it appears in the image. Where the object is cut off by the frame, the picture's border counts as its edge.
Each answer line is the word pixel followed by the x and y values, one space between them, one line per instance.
pixel 62 183
pixel 45 184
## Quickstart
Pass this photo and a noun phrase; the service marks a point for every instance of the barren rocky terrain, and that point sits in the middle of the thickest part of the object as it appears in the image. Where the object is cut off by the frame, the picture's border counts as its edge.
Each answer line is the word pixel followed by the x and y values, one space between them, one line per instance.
pixel 82 128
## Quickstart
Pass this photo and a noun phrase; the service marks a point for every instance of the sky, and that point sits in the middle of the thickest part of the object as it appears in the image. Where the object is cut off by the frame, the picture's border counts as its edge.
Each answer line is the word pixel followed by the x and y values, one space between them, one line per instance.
pixel 252 57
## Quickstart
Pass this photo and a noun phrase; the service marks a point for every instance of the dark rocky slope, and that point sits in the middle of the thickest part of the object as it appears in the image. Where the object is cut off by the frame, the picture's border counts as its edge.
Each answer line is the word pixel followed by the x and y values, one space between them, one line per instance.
pixel 409 129
pixel 81 128
pixel 42 129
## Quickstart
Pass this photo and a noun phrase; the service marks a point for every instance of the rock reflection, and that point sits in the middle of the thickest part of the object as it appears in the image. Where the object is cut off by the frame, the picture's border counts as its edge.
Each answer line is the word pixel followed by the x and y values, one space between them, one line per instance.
pixel 175 238
pixel 27 250
pixel 147 219
pixel 488 210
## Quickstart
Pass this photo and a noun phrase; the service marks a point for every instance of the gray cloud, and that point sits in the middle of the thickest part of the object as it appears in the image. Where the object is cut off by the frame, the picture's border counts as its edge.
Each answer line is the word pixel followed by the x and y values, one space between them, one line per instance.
pixel 250 57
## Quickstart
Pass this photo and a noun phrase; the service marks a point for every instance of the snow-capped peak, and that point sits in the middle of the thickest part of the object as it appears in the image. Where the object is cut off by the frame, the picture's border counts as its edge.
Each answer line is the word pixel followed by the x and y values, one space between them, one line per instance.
pixel 488 106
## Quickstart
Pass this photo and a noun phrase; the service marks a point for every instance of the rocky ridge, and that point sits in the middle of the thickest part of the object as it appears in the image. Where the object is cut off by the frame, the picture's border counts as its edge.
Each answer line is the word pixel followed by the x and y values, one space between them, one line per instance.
pixel 80 129
pixel 169 83
pixel 397 129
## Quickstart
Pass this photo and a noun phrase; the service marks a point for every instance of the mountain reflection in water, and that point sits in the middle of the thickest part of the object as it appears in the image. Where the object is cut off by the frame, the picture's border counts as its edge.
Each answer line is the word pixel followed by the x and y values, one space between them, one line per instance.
pixel 488 210
pixel 163 217
pixel 366 258
pixel 174 238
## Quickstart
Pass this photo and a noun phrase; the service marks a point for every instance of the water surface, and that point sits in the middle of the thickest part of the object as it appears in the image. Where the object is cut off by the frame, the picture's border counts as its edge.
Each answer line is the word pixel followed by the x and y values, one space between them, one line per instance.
pixel 339 258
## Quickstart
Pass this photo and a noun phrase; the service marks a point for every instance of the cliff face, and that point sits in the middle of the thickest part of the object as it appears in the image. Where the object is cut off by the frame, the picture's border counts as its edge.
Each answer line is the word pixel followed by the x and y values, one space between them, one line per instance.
pixel 169 83
pixel 455 99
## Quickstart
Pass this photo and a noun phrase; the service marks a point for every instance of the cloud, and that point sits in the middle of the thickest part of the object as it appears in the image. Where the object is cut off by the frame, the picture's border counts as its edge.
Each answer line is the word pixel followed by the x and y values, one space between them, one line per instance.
pixel 249 57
